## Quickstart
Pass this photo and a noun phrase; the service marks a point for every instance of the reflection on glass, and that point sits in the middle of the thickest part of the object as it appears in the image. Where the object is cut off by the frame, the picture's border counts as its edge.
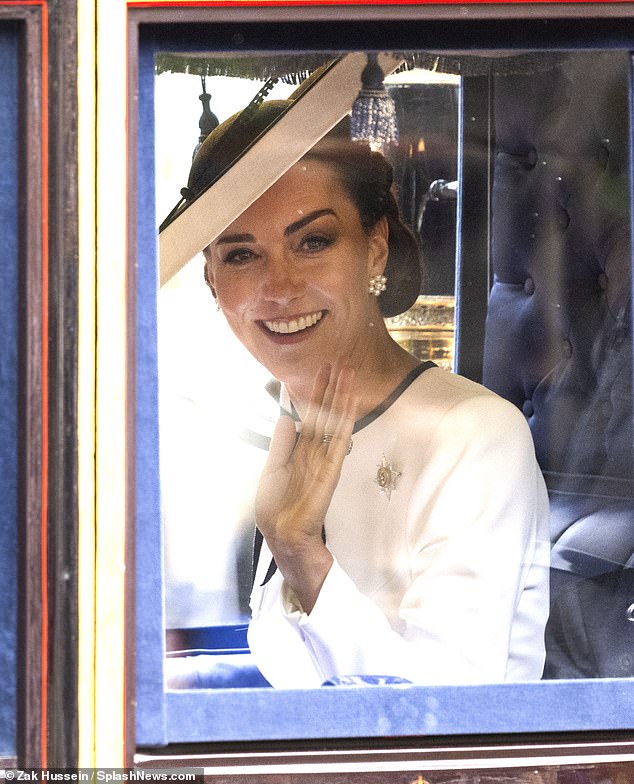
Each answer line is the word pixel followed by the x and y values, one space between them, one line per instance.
pixel 426 330
pixel 557 345
pixel 558 333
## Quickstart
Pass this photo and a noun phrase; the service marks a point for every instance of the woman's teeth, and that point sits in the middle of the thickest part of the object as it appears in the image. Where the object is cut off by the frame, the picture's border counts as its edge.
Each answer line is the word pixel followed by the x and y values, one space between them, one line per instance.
pixel 294 325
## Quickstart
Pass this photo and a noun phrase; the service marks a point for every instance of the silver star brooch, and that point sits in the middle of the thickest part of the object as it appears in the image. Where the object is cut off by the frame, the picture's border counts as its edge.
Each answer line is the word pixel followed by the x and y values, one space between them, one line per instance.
pixel 386 477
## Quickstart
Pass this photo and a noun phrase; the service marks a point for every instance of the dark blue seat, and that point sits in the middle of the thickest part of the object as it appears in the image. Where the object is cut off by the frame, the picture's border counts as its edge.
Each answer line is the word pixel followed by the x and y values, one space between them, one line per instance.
pixel 210 657
pixel 558 328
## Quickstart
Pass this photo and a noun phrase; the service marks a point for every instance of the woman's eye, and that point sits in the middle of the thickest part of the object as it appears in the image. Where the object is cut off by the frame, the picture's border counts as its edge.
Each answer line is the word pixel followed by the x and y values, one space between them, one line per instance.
pixel 315 243
pixel 238 256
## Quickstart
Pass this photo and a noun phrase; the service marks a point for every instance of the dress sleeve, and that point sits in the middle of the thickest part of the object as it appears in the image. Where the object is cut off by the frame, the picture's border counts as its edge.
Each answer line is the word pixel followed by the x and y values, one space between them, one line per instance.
pixel 476 601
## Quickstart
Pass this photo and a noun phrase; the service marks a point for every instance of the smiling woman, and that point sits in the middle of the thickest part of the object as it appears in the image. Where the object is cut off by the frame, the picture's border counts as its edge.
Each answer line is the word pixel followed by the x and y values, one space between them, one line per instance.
pixel 273 273
pixel 391 487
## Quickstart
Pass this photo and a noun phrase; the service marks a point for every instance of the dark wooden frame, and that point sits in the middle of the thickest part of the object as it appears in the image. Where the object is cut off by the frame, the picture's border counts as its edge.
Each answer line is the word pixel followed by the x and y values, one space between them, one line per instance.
pixel 47 726
pixel 32 320
pixel 63 264
pixel 275 758
pixel 32 460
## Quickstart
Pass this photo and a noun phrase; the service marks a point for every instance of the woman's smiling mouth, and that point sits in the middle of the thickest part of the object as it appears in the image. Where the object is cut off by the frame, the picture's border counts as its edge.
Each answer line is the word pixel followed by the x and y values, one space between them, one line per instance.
pixel 290 326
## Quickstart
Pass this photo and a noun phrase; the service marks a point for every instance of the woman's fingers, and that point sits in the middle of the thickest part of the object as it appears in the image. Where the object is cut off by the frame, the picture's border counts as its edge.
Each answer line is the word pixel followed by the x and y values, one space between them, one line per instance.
pixel 338 421
pixel 282 443
pixel 331 412
pixel 329 419
pixel 300 476
pixel 332 404
pixel 317 400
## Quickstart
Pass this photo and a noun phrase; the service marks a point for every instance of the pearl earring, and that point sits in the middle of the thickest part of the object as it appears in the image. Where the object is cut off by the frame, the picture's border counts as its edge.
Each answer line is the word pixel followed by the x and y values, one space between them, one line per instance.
pixel 377 285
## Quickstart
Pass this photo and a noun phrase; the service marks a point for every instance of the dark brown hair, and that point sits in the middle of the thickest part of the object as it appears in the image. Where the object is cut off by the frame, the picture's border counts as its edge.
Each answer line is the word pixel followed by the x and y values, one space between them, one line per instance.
pixel 367 178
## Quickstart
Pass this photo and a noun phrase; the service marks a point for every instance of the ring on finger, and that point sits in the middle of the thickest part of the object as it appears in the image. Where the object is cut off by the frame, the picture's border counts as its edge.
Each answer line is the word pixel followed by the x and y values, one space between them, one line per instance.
pixel 327 438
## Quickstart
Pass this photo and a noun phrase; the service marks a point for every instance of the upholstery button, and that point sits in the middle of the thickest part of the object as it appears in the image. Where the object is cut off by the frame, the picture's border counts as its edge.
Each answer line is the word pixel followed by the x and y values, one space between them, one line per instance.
pixel 626 661
pixel 529 286
pixel 629 613
pixel 563 219
pixel 528 409
pixel 531 159
pixel 618 336
pixel 603 281
pixel 566 349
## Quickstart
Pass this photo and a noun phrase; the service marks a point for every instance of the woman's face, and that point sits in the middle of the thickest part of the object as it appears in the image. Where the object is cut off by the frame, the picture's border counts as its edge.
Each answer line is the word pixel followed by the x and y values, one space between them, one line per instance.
pixel 291 274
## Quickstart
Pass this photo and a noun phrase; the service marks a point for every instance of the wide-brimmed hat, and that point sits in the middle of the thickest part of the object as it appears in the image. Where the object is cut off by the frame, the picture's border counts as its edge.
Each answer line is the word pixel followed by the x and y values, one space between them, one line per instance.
pixel 226 143
pixel 231 139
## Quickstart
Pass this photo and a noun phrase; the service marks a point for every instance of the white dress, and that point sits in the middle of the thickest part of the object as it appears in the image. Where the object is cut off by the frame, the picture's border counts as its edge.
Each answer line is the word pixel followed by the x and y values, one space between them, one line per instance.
pixel 439 577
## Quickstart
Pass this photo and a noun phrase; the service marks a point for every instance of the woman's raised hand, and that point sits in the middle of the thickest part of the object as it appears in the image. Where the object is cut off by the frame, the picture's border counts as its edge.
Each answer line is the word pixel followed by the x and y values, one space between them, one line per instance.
pixel 299 479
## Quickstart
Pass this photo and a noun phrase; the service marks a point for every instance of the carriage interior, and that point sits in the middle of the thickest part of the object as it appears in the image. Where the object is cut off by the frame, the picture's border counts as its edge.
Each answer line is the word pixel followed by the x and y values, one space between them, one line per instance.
pixel 540 218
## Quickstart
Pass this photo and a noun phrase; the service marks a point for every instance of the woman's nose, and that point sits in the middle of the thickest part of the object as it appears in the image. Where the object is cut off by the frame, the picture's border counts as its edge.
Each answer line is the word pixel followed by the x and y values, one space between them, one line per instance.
pixel 281 280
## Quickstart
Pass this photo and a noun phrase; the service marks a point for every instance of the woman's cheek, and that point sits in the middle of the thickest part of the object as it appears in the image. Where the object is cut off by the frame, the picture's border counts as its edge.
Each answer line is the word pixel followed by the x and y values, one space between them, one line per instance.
pixel 243 299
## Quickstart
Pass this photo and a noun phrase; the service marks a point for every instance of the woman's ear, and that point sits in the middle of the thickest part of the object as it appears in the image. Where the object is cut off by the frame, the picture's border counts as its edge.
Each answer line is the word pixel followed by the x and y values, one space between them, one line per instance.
pixel 378 247
pixel 207 272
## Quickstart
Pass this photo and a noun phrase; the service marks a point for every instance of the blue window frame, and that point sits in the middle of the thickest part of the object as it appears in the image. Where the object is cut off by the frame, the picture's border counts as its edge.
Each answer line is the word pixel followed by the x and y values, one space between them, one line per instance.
pixel 198 716
pixel 9 216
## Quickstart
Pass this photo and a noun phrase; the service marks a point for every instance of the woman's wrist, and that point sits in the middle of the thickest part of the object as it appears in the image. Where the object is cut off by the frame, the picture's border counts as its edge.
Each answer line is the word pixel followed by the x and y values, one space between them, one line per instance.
pixel 304 572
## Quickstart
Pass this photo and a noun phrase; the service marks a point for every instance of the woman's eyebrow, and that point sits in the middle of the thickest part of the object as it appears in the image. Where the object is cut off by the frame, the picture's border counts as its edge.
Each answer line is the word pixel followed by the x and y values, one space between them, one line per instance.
pixel 227 239
pixel 299 224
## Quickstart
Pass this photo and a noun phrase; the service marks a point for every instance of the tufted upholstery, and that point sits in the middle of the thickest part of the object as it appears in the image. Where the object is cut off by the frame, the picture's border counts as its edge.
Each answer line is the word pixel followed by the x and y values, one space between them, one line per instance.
pixel 558 333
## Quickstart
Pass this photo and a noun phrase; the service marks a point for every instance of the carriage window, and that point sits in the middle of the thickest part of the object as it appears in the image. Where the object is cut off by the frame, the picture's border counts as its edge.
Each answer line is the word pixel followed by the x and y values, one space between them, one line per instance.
pixel 214 392
pixel 512 173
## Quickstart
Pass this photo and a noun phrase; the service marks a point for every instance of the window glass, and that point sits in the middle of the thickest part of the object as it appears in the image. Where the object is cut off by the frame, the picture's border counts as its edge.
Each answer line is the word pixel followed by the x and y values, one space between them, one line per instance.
pixel 557 341
pixel 218 396
pixel 513 172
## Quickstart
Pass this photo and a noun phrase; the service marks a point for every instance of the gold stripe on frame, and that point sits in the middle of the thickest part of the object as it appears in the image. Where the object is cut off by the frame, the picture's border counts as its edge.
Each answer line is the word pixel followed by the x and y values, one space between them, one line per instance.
pixel 110 382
